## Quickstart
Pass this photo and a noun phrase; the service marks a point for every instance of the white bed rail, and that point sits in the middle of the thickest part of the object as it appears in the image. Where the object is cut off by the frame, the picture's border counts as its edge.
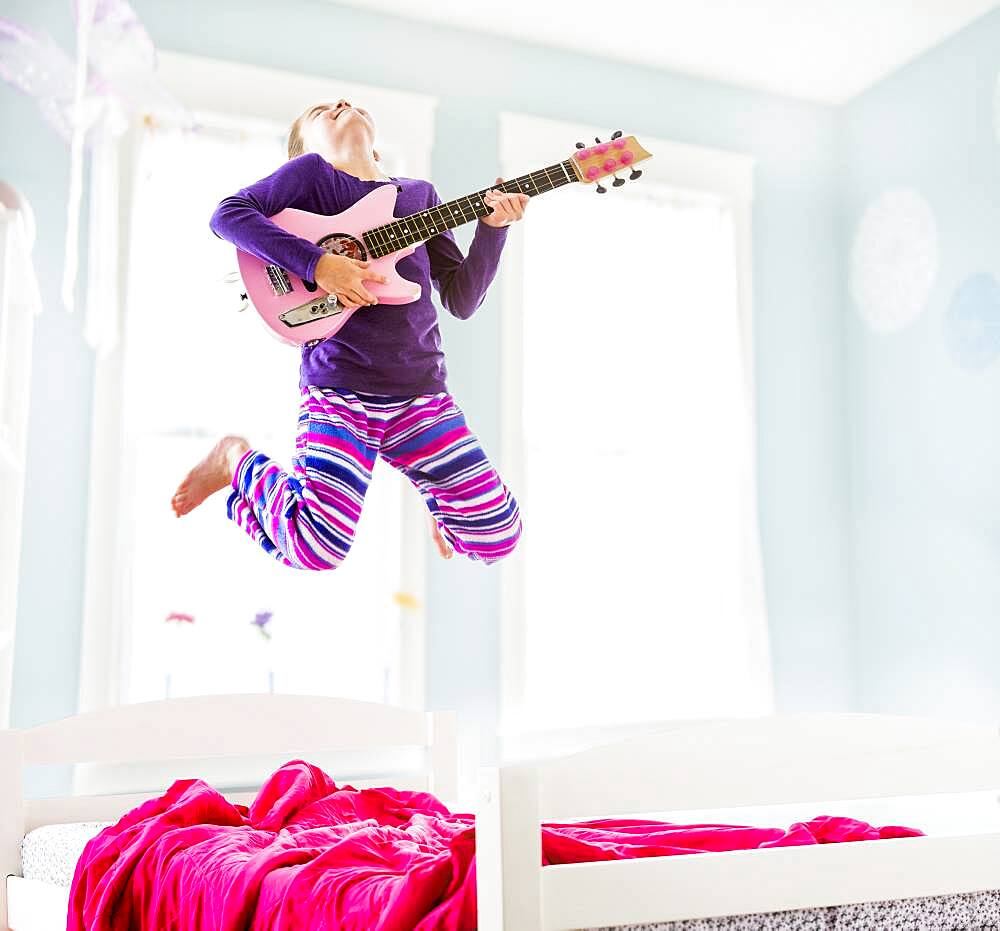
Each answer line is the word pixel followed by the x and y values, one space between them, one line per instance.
pixel 743 762
pixel 207 728
pixel 11 813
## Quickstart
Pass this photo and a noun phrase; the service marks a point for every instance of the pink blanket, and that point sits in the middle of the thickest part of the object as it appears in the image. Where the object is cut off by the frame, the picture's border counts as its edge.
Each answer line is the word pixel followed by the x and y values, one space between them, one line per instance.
pixel 308 854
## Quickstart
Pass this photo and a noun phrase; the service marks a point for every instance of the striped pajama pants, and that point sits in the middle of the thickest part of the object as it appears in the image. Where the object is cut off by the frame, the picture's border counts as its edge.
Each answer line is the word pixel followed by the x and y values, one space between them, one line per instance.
pixel 306 518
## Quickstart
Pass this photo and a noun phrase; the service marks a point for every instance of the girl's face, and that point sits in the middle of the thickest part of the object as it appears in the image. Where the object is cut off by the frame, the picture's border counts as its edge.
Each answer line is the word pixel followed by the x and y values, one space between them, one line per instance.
pixel 336 126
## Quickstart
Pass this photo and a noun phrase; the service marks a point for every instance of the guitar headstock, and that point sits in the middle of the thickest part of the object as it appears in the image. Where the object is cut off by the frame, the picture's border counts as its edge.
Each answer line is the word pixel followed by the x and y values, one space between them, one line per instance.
pixel 592 163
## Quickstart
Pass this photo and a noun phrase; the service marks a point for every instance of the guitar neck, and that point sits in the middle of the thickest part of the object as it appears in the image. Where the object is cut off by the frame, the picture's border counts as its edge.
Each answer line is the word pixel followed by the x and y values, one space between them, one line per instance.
pixel 419 227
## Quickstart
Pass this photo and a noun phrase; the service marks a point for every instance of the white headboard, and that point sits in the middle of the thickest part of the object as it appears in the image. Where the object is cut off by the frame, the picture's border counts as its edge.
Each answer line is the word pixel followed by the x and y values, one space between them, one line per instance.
pixel 206 728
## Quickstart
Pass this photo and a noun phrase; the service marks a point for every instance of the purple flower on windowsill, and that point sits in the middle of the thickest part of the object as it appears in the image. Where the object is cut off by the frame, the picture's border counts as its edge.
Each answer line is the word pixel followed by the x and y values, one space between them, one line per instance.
pixel 260 621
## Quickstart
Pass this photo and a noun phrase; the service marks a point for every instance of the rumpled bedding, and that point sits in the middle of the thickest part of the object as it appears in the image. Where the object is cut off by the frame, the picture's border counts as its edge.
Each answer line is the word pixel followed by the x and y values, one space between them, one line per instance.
pixel 308 854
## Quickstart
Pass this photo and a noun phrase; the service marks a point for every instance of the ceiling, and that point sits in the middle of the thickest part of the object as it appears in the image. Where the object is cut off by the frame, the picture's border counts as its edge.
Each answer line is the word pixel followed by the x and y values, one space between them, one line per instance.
pixel 820 50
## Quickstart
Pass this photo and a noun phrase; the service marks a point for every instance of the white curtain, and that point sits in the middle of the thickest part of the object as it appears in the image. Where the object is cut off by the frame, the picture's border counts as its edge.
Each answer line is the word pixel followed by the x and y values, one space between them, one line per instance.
pixel 20 302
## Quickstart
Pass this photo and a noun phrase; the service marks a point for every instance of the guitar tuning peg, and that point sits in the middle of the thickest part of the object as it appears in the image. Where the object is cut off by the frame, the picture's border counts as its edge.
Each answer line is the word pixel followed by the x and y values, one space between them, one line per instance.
pixel 616 134
pixel 618 182
pixel 636 172
pixel 596 139
pixel 580 145
pixel 601 189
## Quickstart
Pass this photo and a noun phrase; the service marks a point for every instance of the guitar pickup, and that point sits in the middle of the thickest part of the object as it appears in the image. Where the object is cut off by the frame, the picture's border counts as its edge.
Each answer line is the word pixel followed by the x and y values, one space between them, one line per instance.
pixel 280 282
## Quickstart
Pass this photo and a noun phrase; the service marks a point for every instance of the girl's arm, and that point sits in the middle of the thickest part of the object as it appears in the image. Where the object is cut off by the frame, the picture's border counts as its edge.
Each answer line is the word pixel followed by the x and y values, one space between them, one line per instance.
pixel 243 218
pixel 462 281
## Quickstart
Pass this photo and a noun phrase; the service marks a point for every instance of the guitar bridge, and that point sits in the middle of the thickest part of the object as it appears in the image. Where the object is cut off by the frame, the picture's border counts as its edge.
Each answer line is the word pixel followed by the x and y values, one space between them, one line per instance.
pixel 280 282
pixel 314 310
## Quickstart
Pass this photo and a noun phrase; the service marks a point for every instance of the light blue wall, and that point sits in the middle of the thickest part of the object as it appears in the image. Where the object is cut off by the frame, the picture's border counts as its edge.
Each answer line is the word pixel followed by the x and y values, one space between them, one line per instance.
pixel 798 328
pixel 924 447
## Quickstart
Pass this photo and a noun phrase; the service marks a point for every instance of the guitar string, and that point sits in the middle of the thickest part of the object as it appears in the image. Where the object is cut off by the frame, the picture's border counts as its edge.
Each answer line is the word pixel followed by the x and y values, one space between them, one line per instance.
pixel 391 237
pixel 397 235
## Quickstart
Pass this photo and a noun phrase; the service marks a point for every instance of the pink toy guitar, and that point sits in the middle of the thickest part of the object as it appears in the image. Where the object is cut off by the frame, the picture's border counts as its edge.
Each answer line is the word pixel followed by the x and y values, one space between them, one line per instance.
pixel 300 311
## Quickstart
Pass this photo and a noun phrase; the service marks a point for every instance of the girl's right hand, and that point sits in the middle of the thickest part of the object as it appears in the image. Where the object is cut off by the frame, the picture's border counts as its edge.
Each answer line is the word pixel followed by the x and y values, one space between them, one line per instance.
pixel 343 277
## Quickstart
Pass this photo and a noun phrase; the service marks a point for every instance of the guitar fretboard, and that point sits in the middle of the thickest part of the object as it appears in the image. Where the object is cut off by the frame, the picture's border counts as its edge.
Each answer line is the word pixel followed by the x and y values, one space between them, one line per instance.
pixel 419 227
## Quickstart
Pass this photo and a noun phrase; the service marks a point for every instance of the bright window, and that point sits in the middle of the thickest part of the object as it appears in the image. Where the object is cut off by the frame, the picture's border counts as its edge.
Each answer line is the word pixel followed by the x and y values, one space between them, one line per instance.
pixel 637 595
pixel 195 369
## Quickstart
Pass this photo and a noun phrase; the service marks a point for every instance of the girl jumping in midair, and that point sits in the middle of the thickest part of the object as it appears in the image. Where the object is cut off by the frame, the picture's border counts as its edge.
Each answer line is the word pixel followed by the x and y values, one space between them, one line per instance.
pixel 377 387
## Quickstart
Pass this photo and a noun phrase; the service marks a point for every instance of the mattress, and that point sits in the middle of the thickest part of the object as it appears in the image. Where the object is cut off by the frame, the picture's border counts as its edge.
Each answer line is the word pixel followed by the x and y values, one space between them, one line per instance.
pixel 972 911
pixel 49 855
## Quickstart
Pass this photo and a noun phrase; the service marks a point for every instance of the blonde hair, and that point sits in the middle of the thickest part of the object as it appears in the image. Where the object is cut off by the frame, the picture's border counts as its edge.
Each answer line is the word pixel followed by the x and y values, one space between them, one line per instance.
pixel 296 145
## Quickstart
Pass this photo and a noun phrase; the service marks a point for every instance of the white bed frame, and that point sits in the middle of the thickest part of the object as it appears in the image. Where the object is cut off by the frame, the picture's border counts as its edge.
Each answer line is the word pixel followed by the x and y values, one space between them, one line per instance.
pixel 766 761
pixel 684 766
pixel 208 728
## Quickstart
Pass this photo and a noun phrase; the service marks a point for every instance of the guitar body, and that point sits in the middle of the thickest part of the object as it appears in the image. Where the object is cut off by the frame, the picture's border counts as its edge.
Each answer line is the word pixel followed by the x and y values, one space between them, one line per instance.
pixel 299 312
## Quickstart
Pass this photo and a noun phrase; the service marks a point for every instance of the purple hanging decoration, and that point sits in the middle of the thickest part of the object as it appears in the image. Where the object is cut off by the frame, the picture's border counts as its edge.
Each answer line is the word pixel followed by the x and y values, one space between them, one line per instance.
pixel 32 63
pixel 122 60
pixel 88 102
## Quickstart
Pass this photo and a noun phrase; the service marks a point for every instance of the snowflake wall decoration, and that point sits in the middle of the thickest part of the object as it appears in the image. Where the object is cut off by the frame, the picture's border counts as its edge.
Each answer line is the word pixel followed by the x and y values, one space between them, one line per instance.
pixel 894 260
pixel 972 325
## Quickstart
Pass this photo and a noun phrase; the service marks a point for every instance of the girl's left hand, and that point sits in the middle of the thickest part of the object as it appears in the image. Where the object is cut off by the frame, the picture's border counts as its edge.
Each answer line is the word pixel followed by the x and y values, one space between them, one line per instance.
pixel 506 207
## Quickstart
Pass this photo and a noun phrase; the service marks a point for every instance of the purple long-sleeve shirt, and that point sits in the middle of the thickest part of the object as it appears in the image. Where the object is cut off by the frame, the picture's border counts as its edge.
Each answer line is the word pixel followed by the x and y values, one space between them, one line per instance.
pixel 384 349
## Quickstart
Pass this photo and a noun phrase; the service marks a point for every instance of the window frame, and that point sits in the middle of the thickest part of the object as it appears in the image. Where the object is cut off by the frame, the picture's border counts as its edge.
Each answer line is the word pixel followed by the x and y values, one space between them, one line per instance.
pixel 268 98
pixel 528 142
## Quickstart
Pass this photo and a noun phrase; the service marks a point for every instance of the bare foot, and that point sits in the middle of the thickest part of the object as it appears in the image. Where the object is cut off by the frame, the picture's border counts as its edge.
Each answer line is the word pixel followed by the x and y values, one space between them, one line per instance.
pixel 444 547
pixel 212 474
